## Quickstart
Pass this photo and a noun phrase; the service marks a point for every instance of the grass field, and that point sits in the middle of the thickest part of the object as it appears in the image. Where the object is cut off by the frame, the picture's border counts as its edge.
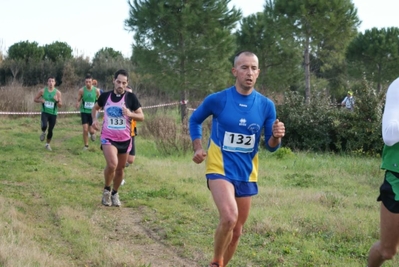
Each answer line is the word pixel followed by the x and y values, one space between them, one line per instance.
pixel 312 209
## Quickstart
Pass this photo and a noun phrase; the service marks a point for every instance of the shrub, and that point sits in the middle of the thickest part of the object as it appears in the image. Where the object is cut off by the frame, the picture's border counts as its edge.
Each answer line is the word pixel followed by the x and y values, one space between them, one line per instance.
pixel 307 126
pixel 321 126
pixel 283 153
pixel 170 136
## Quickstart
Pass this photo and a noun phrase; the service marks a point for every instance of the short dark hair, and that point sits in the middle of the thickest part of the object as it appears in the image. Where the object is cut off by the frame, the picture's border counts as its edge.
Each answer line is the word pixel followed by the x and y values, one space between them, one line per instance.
pixel 246 52
pixel 88 76
pixel 50 77
pixel 121 72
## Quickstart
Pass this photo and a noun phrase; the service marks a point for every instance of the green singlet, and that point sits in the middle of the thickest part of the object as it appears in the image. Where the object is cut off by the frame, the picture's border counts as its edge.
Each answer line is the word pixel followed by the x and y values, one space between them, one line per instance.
pixel 49 106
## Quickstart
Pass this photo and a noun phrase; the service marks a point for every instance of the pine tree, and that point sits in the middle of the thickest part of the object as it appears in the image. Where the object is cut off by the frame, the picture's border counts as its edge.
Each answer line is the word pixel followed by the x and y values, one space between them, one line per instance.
pixel 184 44
pixel 323 28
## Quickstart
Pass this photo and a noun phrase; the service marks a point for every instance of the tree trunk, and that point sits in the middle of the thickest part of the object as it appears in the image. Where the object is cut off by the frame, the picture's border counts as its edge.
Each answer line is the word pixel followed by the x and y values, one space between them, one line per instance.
pixel 307 71
pixel 183 107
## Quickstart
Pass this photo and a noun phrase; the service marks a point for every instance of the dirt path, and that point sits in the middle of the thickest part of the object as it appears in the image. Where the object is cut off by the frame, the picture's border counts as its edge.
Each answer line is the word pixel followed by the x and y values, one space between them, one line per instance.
pixel 134 242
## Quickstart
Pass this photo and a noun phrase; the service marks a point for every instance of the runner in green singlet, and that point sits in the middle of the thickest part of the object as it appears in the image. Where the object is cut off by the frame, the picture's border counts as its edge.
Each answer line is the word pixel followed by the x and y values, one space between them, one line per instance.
pixel 50 98
pixel 387 246
pixel 87 96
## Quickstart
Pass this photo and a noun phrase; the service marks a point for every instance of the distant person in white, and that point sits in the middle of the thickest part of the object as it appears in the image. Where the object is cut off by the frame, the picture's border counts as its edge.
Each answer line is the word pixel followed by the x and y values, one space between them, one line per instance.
pixel 386 247
pixel 349 101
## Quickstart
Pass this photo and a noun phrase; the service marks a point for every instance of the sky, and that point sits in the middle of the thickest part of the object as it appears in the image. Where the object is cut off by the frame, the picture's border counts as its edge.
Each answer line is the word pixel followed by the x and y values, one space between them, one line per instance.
pixel 90 25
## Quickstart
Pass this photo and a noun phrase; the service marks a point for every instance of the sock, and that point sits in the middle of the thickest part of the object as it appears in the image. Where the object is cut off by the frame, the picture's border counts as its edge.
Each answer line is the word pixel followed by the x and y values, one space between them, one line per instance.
pixel 114 192
pixel 107 188
pixel 86 145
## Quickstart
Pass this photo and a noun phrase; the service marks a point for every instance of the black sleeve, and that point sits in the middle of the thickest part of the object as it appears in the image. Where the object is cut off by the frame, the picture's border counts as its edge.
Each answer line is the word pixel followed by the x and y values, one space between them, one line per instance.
pixel 132 102
pixel 102 99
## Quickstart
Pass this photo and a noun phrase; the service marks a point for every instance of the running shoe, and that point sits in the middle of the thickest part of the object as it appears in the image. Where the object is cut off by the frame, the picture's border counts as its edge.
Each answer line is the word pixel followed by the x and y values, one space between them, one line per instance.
pixel 93 137
pixel 106 198
pixel 48 147
pixel 115 200
pixel 42 136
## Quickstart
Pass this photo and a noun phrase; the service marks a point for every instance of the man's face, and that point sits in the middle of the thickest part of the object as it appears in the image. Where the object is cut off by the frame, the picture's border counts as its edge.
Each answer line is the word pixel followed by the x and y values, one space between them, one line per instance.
pixel 120 84
pixel 51 83
pixel 88 83
pixel 246 70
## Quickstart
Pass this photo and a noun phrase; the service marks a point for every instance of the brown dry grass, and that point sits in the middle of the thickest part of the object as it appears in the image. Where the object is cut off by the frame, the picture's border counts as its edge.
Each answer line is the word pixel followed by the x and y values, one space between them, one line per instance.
pixel 18 98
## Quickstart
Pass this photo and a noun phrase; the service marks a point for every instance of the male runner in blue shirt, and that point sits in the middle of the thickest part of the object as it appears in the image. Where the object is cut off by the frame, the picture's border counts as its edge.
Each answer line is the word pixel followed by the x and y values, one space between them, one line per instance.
pixel 239 115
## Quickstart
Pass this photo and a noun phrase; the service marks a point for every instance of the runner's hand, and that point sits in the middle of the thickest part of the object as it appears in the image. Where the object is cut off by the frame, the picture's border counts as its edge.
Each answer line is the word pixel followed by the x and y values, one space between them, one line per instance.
pixel 199 156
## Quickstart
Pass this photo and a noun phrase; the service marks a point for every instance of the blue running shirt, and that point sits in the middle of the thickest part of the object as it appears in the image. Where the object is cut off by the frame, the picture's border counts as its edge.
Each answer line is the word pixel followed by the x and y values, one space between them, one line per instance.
pixel 237 124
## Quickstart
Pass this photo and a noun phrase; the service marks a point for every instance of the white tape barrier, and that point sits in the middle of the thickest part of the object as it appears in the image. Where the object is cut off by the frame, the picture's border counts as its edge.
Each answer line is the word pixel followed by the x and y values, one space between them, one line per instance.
pixel 78 112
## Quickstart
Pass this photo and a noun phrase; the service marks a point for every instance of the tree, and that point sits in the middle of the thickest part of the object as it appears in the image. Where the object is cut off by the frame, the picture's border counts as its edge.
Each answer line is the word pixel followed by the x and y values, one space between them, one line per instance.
pixel 14 66
pixel 26 51
pixel 321 27
pixel 69 76
pixel 108 54
pixel 81 65
pixel 57 51
pixel 106 62
pixel 23 60
pixel 183 45
pixel 279 56
pixel 375 55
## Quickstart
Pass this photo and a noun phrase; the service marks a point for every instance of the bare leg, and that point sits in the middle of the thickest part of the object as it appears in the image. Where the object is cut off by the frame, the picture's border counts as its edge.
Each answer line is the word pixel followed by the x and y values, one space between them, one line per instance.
pixel 244 205
pixel 132 153
pixel 92 130
pixel 386 247
pixel 111 157
pixel 131 158
pixel 119 173
pixel 223 196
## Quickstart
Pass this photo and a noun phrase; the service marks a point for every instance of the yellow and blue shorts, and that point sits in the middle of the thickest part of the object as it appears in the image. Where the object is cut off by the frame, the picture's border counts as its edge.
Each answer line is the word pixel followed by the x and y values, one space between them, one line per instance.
pixel 241 188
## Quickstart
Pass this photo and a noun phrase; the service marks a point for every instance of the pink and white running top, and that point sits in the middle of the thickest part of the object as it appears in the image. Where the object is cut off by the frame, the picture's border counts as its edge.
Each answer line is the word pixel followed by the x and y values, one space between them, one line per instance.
pixel 116 126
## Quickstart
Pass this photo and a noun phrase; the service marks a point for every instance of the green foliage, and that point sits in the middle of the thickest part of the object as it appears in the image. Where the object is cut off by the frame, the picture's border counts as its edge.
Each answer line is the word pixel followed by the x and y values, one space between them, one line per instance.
pixel 322 126
pixel 374 55
pixel 307 126
pixel 278 54
pixel 81 66
pixel 14 67
pixel 69 77
pixel 38 72
pixel 105 63
pixel 26 51
pixel 183 46
pixel 31 64
pixel 57 51
pixel 23 61
pixel 107 54
pixel 307 20
pixel 284 153
pixel 361 131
